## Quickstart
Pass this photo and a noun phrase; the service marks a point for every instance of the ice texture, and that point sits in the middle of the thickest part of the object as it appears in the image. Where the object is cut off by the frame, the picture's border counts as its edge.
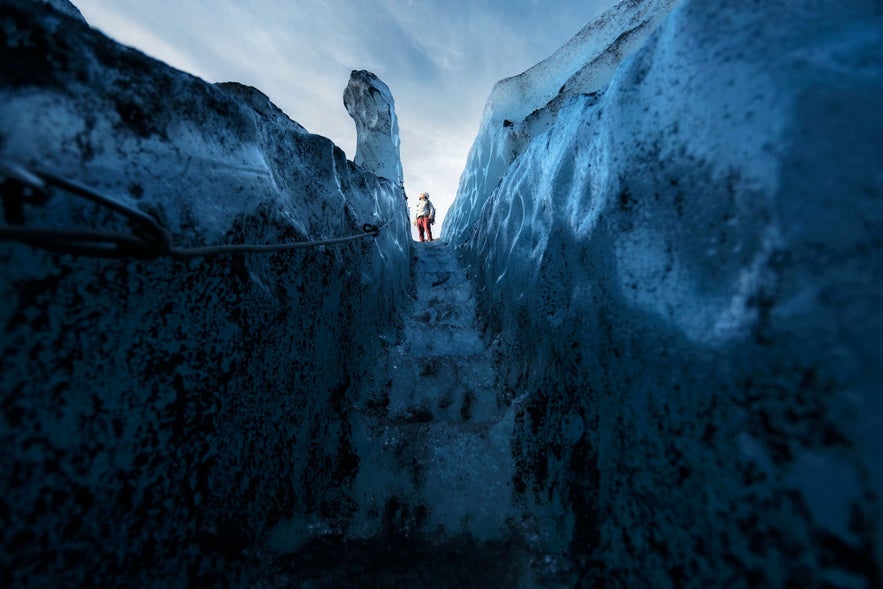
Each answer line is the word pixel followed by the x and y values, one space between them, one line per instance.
pixel 371 105
pixel 584 65
pixel 685 260
pixel 160 417
pixel 64 6
pixel 646 352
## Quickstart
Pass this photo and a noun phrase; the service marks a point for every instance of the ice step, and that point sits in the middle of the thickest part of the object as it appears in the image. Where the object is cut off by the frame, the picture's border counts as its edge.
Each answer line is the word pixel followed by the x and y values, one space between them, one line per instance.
pixel 442 340
pixel 462 473
pixel 444 388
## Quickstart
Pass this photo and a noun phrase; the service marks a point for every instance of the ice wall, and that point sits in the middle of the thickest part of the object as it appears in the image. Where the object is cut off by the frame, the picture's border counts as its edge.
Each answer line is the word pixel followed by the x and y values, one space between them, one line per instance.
pixel 64 6
pixel 584 65
pixel 160 416
pixel 683 274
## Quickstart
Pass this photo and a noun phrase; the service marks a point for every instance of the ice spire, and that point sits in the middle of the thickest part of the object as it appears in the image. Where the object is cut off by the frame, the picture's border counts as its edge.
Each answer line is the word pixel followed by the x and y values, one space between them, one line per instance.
pixel 369 102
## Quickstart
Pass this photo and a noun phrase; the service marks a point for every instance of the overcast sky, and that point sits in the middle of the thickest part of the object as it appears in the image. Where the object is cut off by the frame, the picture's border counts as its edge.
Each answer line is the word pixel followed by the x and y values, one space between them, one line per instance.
pixel 440 59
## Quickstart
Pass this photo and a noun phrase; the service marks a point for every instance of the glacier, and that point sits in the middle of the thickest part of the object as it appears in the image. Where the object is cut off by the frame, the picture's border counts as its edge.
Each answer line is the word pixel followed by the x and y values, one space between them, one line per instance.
pixel 161 416
pixel 682 263
pixel 645 351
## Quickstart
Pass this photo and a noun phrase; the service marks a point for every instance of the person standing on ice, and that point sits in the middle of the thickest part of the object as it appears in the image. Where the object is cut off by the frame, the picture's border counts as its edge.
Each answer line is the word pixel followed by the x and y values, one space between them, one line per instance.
pixel 424 216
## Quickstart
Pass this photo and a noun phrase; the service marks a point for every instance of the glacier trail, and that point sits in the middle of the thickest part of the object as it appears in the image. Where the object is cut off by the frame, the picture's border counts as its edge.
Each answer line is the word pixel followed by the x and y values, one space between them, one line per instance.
pixel 436 469
pixel 443 438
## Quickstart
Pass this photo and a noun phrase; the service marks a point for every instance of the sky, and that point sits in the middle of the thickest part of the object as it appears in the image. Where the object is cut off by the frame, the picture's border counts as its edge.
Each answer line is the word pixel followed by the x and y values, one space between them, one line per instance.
pixel 440 59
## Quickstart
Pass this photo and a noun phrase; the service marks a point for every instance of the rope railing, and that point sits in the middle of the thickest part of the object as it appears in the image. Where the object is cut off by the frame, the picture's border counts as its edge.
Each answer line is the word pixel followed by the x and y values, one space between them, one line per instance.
pixel 369 231
pixel 148 240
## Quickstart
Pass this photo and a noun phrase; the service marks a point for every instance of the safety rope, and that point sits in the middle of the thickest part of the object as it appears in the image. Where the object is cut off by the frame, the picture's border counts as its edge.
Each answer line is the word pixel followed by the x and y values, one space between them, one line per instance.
pixel 369 231
pixel 148 240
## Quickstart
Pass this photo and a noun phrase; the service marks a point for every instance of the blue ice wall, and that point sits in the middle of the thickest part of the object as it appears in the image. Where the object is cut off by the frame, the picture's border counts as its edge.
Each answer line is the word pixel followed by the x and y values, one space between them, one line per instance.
pixel 683 273
pixel 160 416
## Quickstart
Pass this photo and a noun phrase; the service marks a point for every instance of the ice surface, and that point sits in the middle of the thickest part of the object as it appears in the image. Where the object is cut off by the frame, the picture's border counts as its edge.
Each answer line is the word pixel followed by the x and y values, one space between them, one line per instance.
pixel 64 6
pixel 370 103
pixel 524 106
pixel 160 417
pixel 647 352
pixel 682 258
pixel 437 441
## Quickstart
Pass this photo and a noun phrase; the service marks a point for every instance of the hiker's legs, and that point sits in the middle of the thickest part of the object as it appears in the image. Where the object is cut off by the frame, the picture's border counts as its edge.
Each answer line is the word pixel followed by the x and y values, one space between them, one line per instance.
pixel 425 225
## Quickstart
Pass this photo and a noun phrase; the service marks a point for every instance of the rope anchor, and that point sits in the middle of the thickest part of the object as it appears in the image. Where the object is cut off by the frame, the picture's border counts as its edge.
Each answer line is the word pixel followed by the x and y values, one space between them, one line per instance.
pixel 148 240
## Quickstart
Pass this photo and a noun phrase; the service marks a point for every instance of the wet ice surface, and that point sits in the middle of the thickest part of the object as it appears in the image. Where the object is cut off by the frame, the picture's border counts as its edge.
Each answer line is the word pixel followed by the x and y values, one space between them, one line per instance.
pixel 435 483
pixel 442 411
pixel 442 360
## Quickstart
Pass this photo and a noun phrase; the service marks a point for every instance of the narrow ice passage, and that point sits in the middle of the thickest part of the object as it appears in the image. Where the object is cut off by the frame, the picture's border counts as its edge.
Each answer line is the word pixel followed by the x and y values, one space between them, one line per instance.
pixel 441 447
